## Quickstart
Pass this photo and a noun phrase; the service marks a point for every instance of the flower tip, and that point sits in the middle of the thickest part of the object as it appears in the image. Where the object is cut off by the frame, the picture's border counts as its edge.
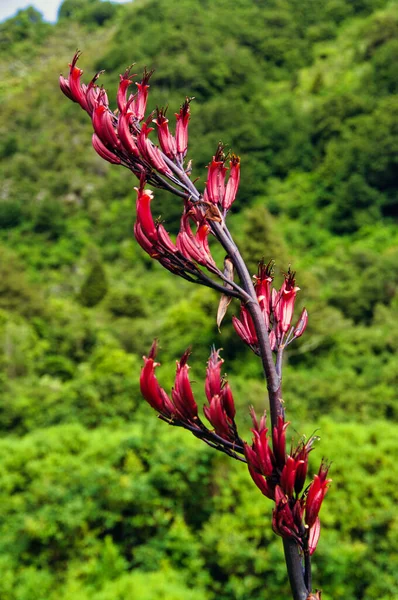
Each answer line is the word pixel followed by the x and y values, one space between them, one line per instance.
pixel 75 58
pixel 301 324
pixel 146 76
pixel 184 358
pixel 153 350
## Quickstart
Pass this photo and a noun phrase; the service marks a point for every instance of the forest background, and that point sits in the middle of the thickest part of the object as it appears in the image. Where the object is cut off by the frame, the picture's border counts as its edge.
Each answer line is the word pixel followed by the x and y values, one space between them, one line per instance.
pixel 99 499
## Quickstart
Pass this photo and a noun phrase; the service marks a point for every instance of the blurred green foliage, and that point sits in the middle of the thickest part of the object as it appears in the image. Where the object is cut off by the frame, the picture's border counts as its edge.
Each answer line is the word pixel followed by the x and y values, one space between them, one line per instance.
pixel 99 499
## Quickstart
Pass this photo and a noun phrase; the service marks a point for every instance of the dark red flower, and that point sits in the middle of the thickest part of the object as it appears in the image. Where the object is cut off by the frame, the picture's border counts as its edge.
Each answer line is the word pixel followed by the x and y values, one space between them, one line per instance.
pixel 244 327
pixel 166 140
pixel 313 536
pixel 125 82
pixel 151 153
pixel 215 184
pixel 263 421
pixel 315 495
pixel 283 518
pixel 153 238
pixel 104 127
pixel 213 375
pixel 221 409
pixel 216 414
pixel 144 214
pixel 127 139
pixel 263 282
pixel 288 476
pixel 194 247
pixel 265 487
pixel 150 388
pixel 301 324
pixel 103 151
pixel 232 184
pixel 183 400
pixel 283 304
pixel 182 127
pixel 137 104
pixel 279 442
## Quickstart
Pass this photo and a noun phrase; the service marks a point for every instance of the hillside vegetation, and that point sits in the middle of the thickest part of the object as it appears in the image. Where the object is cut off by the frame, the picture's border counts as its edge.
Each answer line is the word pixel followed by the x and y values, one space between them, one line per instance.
pixel 99 499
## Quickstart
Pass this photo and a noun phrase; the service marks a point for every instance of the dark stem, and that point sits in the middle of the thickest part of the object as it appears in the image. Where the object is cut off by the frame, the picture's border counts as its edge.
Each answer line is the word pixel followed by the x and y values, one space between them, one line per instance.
pixel 273 381
pixel 278 364
pixel 273 377
pixel 223 449
pixel 295 570
pixel 307 570
pixel 208 282
pixel 183 177
pixel 208 436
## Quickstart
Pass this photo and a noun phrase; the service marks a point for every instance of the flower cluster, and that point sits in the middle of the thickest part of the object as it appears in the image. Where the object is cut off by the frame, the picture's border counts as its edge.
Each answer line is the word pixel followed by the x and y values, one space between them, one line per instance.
pixel 181 409
pixel 281 477
pixel 277 308
pixel 217 191
pixel 122 137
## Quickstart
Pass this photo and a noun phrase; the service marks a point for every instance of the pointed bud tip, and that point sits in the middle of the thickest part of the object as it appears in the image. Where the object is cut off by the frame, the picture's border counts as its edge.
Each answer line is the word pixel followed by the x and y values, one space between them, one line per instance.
pixel 153 350
pixel 184 358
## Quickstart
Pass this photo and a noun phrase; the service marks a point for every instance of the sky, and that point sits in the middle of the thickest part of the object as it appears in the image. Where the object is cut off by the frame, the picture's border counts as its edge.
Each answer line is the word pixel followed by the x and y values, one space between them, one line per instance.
pixel 48 8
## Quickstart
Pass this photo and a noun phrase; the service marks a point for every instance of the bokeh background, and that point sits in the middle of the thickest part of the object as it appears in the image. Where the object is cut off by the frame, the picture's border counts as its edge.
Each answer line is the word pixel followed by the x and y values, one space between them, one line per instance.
pixel 99 499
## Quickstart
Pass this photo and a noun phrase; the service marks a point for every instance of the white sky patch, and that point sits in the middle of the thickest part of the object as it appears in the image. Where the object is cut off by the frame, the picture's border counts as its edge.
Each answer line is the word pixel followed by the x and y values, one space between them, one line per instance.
pixel 48 8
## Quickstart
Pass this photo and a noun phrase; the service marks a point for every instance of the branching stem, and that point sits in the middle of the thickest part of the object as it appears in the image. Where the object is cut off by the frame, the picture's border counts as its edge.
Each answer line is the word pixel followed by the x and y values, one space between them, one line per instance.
pixel 273 374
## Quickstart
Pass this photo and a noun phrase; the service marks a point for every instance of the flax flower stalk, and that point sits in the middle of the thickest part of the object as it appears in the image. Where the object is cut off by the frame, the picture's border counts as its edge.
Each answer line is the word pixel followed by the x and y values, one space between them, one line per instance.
pixel 123 138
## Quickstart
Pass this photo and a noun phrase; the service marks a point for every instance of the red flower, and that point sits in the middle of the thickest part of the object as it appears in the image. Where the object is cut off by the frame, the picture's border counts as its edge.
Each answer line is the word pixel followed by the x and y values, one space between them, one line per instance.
pixel 194 247
pixel 279 442
pixel 260 458
pixel 72 87
pixel 85 95
pixel 233 183
pixel 183 406
pixel 183 400
pixel 182 128
pixel 263 485
pixel 221 412
pixel 103 151
pixel 301 324
pixel 125 135
pixel 217 415
pixel 263 421
pixel 138 101
pixel 244 327
pixel 283 517
pixel 153 238
pixel 283 304
pixel 313 536
pixel 213 374
pixel 228 401
pixel 288 476
pixel 149 152
pixel 104 127
pixel 315 495
pixel 263 282
pixel 125 82
pixel 215 185
pixel 150 388
pixel 300 455
pixel 166 140
pixel 144 215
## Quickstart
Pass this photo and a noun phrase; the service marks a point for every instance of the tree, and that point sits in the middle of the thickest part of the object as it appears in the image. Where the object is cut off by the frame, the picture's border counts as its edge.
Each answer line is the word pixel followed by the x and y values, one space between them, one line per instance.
pixel 95 286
